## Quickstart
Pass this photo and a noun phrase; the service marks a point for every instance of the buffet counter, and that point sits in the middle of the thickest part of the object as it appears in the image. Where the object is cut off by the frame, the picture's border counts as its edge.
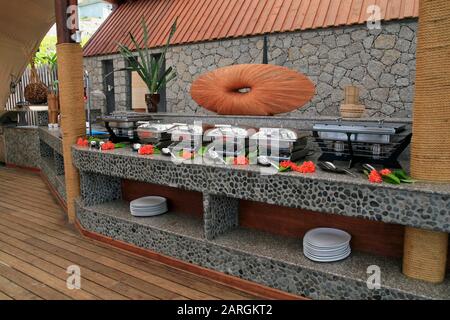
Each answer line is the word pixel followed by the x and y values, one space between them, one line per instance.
pixel 237 221
pixel 21 146
pixel 52 162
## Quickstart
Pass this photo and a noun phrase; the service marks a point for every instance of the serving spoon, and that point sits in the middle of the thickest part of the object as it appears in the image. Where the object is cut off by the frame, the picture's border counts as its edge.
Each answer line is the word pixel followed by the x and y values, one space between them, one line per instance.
pixel 265 161
pixel 214 155
pixel 168 151
pixel 329 166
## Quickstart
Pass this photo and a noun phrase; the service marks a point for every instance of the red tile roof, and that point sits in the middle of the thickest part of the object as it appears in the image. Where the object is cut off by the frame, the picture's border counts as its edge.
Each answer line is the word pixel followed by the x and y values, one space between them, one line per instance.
pixel 203 20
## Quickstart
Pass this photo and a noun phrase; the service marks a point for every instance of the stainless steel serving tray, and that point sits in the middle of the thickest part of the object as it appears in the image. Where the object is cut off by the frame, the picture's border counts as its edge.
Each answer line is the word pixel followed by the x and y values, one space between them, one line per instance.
pixel 156 127
pixel 125 119
pixel 360 127
pixel 370 132
pixel 183 131
pixel 278 134
pixel 154 132
pixel 122 124
pixel 227 131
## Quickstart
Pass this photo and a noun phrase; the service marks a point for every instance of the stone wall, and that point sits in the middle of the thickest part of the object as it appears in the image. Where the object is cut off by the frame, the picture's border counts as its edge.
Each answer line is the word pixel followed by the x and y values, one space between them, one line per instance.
pixel 380 62
pixel 122 91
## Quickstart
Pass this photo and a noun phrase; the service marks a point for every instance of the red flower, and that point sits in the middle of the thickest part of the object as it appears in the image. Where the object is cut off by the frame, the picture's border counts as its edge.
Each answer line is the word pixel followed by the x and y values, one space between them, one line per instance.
pixel 145 150
pixel 385 172
pixel 287 164
pixel 241 161
pixel 375 177
pixel 108 146
pixel 306 167
pixel 187 155
pixel 82 142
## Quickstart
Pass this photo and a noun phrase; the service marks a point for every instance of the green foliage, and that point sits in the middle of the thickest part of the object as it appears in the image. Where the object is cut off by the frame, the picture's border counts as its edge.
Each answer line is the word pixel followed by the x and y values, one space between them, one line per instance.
pixel 48 58
pixel 391 178
pixel 47 51
pixel 146 65
pixel 403 176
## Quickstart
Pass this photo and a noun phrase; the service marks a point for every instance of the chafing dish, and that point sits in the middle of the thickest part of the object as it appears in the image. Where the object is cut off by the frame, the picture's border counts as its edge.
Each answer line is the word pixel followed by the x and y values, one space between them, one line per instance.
pixel 371 132
pixel 186 137
pixel 122 125
pixel 358 141
pixel 154 133
pixel 280 144
pixel 229 141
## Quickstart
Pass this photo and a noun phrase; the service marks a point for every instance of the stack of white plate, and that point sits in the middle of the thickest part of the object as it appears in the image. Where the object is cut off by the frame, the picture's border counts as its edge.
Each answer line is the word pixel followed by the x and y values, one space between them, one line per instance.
pixel 326 245
pixel 148 206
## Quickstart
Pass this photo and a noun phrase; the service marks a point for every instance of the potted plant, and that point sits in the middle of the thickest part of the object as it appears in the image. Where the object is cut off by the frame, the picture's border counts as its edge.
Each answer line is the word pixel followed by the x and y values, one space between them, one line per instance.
pixel 36 91
pixel 148 67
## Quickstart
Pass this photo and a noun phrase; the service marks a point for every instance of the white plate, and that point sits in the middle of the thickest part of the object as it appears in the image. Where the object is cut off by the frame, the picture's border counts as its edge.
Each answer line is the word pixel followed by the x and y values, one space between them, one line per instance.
pixel 150 201
pixel 313 247
pixel 147 214
pixel 321 255
pixel 327 238
pixel 149 209
pixel 321 259
pixel 329 252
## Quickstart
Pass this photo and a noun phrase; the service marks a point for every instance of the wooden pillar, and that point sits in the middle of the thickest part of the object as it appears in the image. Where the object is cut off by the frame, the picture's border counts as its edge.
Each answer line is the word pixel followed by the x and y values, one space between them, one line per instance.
pixel 71 93
pixel 426 251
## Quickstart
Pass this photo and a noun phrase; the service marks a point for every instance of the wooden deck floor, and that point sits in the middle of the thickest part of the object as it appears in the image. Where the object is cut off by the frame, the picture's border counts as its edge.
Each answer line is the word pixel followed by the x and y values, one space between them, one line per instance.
pixel 37 246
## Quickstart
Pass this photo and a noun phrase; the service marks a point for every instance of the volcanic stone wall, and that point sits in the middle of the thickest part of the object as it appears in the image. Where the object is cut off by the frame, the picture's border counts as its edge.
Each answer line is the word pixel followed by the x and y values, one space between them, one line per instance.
pixel 381 62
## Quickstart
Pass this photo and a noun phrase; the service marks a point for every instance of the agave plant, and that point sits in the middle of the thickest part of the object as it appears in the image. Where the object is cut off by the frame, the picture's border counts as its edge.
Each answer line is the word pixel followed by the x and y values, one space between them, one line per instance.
pixel 147 66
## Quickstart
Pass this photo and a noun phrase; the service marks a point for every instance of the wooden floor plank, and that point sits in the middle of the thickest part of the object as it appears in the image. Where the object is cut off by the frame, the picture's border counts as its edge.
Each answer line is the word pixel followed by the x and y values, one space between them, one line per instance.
pixel 44 277
pixel 150 278
pixel 92 275
pixel 185 278
pixel 30 284
pixel 37 244
pixel 15 291
pixel 36 220
pixel 60 272
pixel 35 213
pixel 40 200
pixel 23 183
pixel 82 261
pixel 4 296
pixel 55 214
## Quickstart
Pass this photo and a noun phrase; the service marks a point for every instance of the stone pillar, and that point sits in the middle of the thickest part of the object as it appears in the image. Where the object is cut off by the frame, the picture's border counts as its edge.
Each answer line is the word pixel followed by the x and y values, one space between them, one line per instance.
pixel 220 215
pixel 425 252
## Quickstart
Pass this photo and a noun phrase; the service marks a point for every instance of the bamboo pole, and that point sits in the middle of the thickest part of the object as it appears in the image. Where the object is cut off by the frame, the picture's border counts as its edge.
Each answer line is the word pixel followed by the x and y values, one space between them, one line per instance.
pixel 425 252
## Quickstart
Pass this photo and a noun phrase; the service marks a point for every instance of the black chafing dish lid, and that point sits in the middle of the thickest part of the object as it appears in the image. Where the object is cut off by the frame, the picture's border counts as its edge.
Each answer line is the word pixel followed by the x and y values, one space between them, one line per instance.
pixel 367 127
pixel 126 117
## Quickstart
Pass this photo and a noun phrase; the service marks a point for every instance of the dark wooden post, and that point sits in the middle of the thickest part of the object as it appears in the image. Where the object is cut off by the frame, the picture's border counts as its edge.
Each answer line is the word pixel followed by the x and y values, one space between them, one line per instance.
pixel 71 93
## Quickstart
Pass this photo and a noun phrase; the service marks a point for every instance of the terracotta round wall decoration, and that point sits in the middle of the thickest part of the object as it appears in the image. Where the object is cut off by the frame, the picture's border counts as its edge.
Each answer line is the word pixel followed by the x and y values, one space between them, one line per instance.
pixel 252 89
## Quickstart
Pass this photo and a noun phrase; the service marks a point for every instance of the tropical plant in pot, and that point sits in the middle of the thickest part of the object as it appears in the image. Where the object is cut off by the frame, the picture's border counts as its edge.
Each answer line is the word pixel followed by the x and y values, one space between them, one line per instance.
pixel 147 66
pixel 52 98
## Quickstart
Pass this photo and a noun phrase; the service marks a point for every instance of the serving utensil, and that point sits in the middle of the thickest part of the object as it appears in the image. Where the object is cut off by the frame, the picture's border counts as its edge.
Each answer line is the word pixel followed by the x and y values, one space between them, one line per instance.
pixel 329 166
pixel 167 151
pixel 214 155
pixel 265 161
pixel 368 167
